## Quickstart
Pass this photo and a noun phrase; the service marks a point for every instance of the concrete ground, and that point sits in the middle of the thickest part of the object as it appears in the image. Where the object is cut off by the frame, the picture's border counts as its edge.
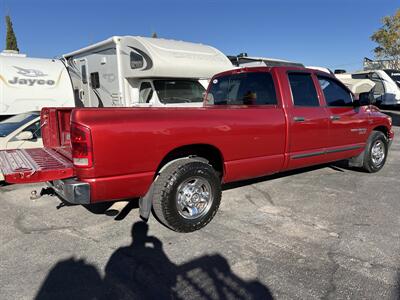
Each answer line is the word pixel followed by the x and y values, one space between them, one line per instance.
pixel 326 232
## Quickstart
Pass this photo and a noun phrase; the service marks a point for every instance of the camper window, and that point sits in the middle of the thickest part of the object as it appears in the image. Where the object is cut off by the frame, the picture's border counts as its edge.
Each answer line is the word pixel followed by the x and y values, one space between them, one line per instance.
pixel 179 91
pixel 136 60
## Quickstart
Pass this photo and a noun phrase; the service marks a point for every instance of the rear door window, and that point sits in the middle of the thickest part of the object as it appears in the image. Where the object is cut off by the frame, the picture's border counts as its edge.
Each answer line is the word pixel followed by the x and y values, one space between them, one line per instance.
pixel 254 88
pixel 335 94
pixel 303 89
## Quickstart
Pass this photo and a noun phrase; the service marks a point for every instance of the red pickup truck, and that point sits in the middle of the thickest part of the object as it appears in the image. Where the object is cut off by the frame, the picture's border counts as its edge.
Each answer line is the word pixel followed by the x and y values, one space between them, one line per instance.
pixel 255 121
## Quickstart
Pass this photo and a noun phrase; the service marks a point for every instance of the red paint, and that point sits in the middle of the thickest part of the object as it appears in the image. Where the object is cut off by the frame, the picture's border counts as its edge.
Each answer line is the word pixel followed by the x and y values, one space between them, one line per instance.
pixel 129 144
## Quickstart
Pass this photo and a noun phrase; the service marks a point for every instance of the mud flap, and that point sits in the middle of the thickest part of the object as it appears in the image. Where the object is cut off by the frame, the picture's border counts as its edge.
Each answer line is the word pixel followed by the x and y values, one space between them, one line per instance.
pixel 357 161
pixel 145 203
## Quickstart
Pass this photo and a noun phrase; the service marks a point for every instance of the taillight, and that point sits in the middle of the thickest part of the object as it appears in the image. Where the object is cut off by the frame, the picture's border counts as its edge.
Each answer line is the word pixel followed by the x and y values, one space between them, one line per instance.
pixel 81 143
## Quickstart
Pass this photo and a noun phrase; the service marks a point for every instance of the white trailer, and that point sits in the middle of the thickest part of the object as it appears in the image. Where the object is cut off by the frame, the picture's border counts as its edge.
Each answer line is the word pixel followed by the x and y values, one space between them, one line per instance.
pixel 385 84
pixel 139 71
pixel 28 84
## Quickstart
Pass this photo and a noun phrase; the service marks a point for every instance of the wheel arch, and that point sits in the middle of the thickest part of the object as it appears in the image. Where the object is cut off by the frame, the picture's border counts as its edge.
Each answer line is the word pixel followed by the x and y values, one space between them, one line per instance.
pixel 206 151
pixel 383 129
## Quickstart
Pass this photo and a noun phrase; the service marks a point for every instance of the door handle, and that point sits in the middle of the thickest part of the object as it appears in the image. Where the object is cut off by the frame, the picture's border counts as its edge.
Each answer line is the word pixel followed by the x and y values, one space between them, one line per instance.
pixel 335 118
pixel 299 119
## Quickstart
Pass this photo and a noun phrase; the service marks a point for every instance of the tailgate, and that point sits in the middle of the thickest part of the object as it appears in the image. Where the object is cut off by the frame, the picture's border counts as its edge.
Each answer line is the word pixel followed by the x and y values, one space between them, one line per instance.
pixel 34 165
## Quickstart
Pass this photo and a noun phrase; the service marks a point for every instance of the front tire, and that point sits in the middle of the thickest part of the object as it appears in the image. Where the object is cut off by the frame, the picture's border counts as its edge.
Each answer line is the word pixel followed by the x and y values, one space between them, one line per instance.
pixel 375 152
pixel 187 194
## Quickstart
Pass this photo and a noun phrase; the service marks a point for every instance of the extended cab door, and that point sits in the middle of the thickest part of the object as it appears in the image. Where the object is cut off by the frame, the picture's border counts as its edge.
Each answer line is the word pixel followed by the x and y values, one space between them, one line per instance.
pixel 308 121
pixel 348 125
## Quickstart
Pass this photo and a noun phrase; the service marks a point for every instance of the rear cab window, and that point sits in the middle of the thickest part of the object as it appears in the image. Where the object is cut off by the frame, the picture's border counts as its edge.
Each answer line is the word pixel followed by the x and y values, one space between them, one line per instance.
pixel 250 89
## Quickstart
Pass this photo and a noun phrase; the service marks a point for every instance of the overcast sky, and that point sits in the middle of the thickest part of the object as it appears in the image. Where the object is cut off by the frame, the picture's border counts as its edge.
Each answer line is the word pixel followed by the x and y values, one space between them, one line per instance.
pixel 331 33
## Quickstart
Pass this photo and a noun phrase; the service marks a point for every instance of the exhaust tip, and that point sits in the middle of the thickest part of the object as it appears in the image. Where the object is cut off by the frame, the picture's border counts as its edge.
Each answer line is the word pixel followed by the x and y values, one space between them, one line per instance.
pixel 116 208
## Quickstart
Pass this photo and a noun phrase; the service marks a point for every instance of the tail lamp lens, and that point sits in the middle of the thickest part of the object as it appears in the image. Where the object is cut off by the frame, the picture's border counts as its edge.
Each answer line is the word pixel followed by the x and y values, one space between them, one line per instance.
pixel 81 143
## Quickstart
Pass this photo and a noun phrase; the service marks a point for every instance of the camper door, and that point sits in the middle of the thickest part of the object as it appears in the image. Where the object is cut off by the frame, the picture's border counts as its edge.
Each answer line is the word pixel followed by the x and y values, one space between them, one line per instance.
pixel 84 91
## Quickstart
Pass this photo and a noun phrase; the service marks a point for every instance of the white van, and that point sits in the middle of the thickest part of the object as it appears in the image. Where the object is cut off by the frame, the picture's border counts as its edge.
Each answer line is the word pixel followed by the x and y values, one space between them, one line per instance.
pixel 28 84
pixel 139 71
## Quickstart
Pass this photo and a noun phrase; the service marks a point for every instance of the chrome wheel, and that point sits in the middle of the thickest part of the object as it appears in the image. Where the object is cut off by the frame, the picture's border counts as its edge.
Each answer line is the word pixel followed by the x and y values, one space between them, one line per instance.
pixel 378 152
pixel 194 198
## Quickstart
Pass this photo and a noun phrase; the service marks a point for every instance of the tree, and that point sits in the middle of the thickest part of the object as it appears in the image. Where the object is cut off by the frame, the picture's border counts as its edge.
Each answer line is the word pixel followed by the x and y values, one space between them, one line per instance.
pixel 388 39
pixel 11 40
pixel 154 35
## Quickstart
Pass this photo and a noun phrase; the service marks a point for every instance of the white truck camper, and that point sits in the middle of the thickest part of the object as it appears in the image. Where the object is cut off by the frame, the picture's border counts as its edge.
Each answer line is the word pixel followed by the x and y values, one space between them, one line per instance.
pixel 28 84
pixel 138 71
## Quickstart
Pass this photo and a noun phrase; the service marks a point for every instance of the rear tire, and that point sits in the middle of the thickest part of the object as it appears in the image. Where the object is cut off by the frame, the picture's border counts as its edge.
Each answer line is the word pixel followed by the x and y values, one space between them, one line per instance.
pixel 187 194
pixel 375 152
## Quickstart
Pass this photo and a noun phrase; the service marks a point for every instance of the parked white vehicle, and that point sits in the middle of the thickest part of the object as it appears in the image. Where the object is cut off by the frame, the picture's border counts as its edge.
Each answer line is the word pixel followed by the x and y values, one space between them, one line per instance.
pixel 139 71
pixel 385 84
pixel 28 84
pixel 21 131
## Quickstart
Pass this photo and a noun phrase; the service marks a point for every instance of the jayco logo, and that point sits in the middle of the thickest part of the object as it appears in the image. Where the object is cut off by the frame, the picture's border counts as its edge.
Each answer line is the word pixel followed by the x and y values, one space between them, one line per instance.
pixel 30 81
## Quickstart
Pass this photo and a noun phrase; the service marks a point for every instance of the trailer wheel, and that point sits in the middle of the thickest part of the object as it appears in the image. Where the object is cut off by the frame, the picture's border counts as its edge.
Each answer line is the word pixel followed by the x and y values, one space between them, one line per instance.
pixel 187 194
pixel 375 152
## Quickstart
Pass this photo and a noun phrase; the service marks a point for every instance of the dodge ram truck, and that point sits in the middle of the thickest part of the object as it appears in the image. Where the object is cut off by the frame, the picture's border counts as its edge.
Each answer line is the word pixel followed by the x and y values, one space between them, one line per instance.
pixel 254 122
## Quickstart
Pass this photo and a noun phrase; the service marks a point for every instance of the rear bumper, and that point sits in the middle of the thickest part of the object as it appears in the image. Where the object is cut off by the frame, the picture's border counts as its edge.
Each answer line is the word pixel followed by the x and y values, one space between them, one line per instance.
pixel 71 190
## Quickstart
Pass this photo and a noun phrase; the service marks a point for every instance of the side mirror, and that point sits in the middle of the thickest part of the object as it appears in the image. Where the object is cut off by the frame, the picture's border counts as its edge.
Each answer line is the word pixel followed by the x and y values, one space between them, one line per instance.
pixel 366 98
pixel 24 136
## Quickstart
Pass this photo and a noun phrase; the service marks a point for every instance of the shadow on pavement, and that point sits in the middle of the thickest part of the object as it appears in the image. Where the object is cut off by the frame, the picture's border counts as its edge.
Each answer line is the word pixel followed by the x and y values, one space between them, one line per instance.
pixel 143 271
pixel 397 291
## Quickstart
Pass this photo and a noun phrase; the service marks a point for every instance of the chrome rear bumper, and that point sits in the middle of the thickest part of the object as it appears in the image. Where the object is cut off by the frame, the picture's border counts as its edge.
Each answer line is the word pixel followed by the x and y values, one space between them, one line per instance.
pixel 71 190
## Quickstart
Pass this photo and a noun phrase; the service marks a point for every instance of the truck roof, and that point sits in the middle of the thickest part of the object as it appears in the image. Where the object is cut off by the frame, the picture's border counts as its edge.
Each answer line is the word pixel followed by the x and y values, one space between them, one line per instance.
pixel 268 69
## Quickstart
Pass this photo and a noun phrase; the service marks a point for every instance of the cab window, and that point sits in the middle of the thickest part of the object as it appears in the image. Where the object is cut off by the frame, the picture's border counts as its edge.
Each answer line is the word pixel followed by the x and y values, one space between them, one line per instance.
pixel 303 89
pixel 335 94
pixel 254 88
pixel 179 91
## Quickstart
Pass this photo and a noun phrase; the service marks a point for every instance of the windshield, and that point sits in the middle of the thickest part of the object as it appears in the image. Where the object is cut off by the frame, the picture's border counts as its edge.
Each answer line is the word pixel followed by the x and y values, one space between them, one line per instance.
pixel 395 75
pixel 13 123
pixel 179 91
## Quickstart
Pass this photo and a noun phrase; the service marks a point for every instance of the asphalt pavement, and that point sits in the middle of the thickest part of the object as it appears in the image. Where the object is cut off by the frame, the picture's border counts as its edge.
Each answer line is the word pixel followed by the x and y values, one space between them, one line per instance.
pixel 327 232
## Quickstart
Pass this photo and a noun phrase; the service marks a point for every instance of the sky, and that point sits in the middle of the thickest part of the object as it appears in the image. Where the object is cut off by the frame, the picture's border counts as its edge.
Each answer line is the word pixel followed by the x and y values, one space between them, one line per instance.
pixel 328 33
